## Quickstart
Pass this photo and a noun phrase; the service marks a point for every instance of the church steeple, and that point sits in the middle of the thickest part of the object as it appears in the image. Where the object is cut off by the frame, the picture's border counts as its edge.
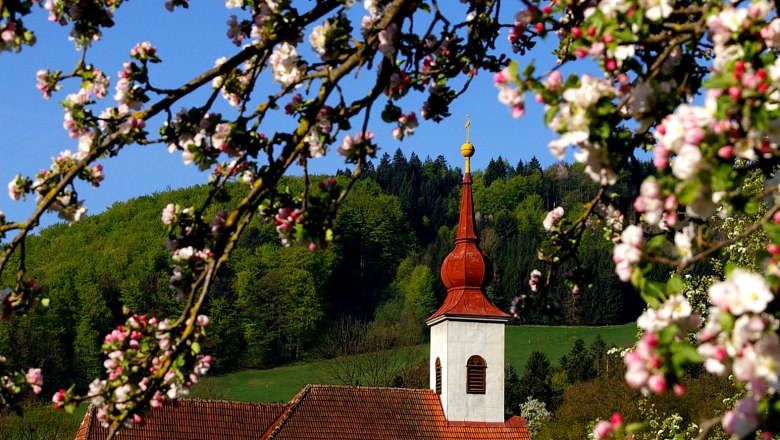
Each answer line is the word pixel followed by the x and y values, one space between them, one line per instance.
pixel 467 270
pixel 467 332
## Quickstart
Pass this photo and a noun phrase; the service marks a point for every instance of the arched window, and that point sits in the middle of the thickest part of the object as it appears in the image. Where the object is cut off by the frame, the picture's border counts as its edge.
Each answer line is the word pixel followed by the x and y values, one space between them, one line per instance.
pixel 475 375
pixel 438 376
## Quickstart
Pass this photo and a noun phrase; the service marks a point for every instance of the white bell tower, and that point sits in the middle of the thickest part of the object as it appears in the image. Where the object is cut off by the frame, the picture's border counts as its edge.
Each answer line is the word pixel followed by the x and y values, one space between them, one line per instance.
pixel 467 332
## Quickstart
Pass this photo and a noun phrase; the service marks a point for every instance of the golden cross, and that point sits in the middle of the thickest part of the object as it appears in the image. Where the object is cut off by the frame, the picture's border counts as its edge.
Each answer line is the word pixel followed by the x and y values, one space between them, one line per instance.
pixel 468 124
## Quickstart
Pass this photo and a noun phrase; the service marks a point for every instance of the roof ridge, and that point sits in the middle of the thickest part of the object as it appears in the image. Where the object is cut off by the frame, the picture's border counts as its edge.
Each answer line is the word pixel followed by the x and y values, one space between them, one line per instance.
pixel 364 387
pixel 86 424
pixel 229 402
pixel 277 424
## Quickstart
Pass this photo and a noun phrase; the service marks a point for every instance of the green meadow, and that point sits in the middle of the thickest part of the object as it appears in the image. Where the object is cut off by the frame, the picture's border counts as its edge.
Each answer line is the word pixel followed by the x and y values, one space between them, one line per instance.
pixel 282 383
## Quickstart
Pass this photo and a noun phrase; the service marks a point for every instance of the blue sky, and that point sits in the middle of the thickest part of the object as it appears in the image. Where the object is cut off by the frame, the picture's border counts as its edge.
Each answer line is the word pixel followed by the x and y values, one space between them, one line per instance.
pixel 189 41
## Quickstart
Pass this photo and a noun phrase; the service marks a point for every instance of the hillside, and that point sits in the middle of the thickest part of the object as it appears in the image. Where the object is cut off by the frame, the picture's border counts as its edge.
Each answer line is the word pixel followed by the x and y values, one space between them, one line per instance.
pixel 272 305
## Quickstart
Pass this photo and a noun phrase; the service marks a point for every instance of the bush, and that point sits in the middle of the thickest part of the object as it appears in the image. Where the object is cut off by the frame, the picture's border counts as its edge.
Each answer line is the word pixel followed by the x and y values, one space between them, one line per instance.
pixel 535 414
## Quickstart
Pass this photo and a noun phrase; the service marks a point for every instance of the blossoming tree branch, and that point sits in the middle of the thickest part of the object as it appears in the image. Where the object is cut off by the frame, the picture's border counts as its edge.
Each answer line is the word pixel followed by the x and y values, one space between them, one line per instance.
pixel 153 359
pixel 694 83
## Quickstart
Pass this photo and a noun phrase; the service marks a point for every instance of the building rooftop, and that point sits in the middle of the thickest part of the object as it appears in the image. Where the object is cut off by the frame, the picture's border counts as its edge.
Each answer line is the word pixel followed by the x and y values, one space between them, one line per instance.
pixel 318 412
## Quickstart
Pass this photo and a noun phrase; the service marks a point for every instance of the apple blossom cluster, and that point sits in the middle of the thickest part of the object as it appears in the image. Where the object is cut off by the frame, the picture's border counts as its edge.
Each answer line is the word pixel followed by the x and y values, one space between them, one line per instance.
pixel 286 65
pixel 605 429
pixel 534 279
pixel 203 138
pixel 612 221
pixel 654 210
pixel 628 253
pixel 522 20
pixel 21 298
pixel 13 35
pixel 66 204
pixel 406 125
pixel 139 354
pixel 387 40
pixel 552 218
pixel 680 135
pixel 86 26
pixel 508 93
pixel 233 84
pixel 287 221
pixel 319 39
pixel 320 135
pixel 188 255
pixel 355 149
pixel 309 226
pixel 579 110
pixel 648 364
pixel 265 12
pixel 16 385
pixel 740 338
pixel 47 82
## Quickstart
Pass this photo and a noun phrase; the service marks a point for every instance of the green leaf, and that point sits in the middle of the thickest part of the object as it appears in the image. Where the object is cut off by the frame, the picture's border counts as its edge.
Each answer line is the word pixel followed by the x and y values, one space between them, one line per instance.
pixel 529 70
pixel 635 427
pixel 391 113
pixel 759 120
pixel 689 192
pixel 655 290
pixel 513 70
pixel 685 353
pixel 722 177
pixel 772 231
pixel 675 285
pixel 720 82
pixel 752 207
pixel 550 114
pixel 195 347
pixel 656 242
pixel 726 321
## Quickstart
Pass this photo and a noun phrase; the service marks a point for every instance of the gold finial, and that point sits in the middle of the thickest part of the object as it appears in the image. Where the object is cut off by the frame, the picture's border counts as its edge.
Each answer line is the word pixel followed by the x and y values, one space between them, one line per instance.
pixel 468 124
pixel 467 149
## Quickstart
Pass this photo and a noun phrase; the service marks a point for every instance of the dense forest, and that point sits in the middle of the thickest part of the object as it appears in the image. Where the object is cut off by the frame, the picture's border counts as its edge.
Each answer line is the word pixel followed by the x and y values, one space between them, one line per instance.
pixel 272 304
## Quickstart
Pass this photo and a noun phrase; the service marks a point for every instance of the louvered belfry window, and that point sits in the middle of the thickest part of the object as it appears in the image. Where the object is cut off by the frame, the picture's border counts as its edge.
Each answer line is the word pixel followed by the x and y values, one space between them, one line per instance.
pixel 438 376
pixel 475 375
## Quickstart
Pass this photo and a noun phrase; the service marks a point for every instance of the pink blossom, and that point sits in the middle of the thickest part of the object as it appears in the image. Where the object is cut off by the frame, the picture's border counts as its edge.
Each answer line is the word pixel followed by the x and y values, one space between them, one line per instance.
pixel 387 38
pixel 502 77
pixel 169 214
pixel 13 189
pixel 35 379
pixel 553 81
pixel 235 32
pixel 743 419
pixel 657 383
pixel 143 51
pixel 534 279
pixel 286 64
pixel 59 398
pixel 771 33
pixel 602 430
pixel 552 218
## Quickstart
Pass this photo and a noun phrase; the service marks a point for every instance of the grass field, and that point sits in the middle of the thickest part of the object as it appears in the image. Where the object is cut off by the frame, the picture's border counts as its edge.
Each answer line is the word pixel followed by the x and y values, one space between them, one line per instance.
pixel 282 383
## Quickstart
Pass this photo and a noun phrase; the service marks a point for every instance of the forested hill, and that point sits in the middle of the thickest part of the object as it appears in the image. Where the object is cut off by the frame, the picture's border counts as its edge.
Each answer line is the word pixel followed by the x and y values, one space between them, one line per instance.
pixel 272 304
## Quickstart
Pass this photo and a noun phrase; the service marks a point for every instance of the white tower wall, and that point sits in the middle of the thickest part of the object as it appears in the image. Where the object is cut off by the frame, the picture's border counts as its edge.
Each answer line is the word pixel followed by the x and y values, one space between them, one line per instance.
pixel 453 342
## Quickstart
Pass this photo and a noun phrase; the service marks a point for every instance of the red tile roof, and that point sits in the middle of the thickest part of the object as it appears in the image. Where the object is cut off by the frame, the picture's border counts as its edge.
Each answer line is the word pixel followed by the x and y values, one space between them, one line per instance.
pixel 318 412
pixel 192 420
pixel 327 412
